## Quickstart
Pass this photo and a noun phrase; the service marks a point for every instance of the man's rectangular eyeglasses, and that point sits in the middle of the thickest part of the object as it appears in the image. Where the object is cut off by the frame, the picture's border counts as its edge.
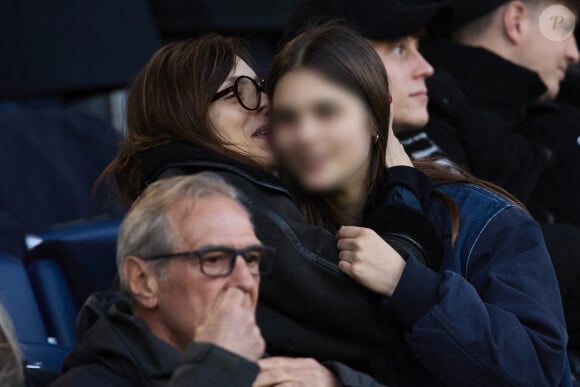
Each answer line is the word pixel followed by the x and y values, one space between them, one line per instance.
pixel 219 261
pixel 247 91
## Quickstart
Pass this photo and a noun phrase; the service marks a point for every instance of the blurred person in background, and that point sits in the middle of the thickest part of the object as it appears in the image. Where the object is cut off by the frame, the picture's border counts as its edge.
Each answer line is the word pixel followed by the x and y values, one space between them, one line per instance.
pixel 11 364
pixel 519 68
pixel 503 63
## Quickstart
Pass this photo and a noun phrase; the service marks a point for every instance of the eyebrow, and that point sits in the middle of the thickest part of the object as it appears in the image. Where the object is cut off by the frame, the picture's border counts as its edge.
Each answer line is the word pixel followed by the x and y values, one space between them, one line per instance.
pixel 234 77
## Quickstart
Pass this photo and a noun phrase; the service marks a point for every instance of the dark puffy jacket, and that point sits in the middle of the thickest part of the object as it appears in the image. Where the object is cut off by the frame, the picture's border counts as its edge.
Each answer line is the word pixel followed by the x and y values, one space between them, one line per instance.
pixel 474 113
pixel 117 349
pixel 556 124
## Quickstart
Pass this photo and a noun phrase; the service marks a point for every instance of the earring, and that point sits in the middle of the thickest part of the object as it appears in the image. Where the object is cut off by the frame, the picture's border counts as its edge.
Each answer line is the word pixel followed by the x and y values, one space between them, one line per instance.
pixel 376 138
pixel 390 99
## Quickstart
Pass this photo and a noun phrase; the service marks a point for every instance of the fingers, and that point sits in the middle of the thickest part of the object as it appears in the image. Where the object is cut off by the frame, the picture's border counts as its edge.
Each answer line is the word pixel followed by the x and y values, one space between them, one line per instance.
pixel 351 244
pixel 286 362
pixel 271 377
pixel 282 371
pixel 348 232
pixel 346 267
pixel 347 256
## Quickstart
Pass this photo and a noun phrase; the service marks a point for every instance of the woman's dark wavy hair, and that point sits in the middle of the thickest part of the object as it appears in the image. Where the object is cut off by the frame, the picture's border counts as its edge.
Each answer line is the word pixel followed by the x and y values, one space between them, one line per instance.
pixel 169 100
pixel 344 57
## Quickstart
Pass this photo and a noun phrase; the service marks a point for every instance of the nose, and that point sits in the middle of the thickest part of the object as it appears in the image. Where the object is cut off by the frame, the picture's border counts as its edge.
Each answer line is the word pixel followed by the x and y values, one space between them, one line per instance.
pixel 264 103
pixel 422 68
pixel 241 276
pixel 572 53
pixel 306 130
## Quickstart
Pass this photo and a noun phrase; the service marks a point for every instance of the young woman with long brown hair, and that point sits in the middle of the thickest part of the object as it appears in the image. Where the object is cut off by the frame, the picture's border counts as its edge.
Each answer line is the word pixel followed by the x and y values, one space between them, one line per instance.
pixel 489 312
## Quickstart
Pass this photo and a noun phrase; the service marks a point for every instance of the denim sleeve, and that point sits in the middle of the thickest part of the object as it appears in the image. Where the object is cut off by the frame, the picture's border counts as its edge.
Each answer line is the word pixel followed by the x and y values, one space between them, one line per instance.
pixel 409 187
pixel 502 325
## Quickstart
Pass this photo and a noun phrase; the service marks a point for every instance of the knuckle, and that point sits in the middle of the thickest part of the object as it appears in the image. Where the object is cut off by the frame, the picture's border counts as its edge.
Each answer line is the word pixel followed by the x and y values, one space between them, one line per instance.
pixel 357 270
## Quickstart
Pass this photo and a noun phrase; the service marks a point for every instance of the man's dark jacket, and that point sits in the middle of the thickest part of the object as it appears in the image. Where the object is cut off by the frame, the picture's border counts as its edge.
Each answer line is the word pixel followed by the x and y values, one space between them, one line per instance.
pixel 476 102
pixel 117 349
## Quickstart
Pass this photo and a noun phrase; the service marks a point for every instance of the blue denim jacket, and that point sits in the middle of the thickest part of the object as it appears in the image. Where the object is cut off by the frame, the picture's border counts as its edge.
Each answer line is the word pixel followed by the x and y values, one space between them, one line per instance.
pixel 492 316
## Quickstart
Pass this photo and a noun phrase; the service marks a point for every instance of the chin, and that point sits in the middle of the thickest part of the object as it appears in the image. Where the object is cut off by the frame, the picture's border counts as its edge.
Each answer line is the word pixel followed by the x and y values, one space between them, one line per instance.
pixel 266 160
pixel 318 186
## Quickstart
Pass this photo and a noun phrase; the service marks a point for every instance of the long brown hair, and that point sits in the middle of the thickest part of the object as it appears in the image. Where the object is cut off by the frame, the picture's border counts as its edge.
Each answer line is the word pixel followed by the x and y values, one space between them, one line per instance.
pixel 169 101
pixel 345 57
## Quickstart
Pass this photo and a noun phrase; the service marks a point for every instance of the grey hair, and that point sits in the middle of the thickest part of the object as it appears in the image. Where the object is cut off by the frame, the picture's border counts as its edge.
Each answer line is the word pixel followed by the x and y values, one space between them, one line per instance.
pixel 11 367
pixel 146 232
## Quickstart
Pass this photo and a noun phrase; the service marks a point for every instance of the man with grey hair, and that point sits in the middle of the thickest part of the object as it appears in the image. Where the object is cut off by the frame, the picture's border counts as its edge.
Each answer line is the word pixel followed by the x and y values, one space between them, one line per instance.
pixel 190 266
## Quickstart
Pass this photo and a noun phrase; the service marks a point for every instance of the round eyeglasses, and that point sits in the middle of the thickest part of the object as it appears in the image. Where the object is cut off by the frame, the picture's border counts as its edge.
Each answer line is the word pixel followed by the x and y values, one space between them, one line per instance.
pixel 247 91
pixel 219 261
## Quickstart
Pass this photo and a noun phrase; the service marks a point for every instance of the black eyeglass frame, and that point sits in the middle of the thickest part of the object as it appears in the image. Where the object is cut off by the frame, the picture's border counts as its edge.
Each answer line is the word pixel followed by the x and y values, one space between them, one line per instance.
pixel 270 251
pixel 234 88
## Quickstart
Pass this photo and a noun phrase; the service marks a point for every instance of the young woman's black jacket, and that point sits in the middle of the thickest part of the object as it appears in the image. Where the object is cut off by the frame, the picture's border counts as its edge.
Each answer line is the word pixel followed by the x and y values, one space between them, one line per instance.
pixel 306 283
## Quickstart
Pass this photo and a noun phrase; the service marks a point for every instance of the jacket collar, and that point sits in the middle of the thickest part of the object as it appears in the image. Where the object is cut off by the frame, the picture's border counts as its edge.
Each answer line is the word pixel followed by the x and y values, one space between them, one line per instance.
pixel 490 81
pixel 111 335
pixel 193 159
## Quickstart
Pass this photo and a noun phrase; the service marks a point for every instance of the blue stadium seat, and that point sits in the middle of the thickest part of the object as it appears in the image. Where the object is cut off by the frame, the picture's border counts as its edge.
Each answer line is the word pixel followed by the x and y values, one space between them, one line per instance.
pixel 55 301
pixel 67 266
pixel 17 297
pixel 84 252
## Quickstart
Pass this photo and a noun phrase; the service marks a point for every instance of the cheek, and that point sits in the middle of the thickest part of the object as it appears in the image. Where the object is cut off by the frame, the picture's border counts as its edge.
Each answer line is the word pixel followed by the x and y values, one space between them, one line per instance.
pixel 350 146
pixel 228 121
pixel 186 299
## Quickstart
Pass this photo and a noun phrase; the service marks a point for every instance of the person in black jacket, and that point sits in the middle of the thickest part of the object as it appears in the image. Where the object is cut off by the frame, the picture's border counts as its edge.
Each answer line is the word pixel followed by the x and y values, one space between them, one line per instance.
pixel 498 117
pixel 176 303
pixel 190 265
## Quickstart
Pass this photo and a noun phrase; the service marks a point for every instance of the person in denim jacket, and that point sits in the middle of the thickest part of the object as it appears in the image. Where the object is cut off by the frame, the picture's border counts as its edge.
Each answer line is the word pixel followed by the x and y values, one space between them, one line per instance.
pixel 486 311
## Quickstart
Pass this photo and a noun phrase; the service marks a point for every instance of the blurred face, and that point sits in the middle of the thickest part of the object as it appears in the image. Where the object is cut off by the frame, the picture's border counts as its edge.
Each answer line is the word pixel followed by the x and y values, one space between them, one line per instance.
pixel 186 296
pixel 245 132
pixel 321 132
pixel 549 58
pixel 407 71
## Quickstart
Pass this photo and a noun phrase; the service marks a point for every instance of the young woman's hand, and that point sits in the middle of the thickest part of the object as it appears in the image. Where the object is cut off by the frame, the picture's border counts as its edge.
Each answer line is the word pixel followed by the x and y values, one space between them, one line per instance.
pixel 368 259
pixel 396 155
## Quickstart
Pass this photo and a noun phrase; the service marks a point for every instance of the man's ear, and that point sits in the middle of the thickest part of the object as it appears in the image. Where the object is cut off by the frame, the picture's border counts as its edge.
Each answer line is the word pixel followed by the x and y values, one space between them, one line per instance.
pixel 141 282
pixel 515 16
